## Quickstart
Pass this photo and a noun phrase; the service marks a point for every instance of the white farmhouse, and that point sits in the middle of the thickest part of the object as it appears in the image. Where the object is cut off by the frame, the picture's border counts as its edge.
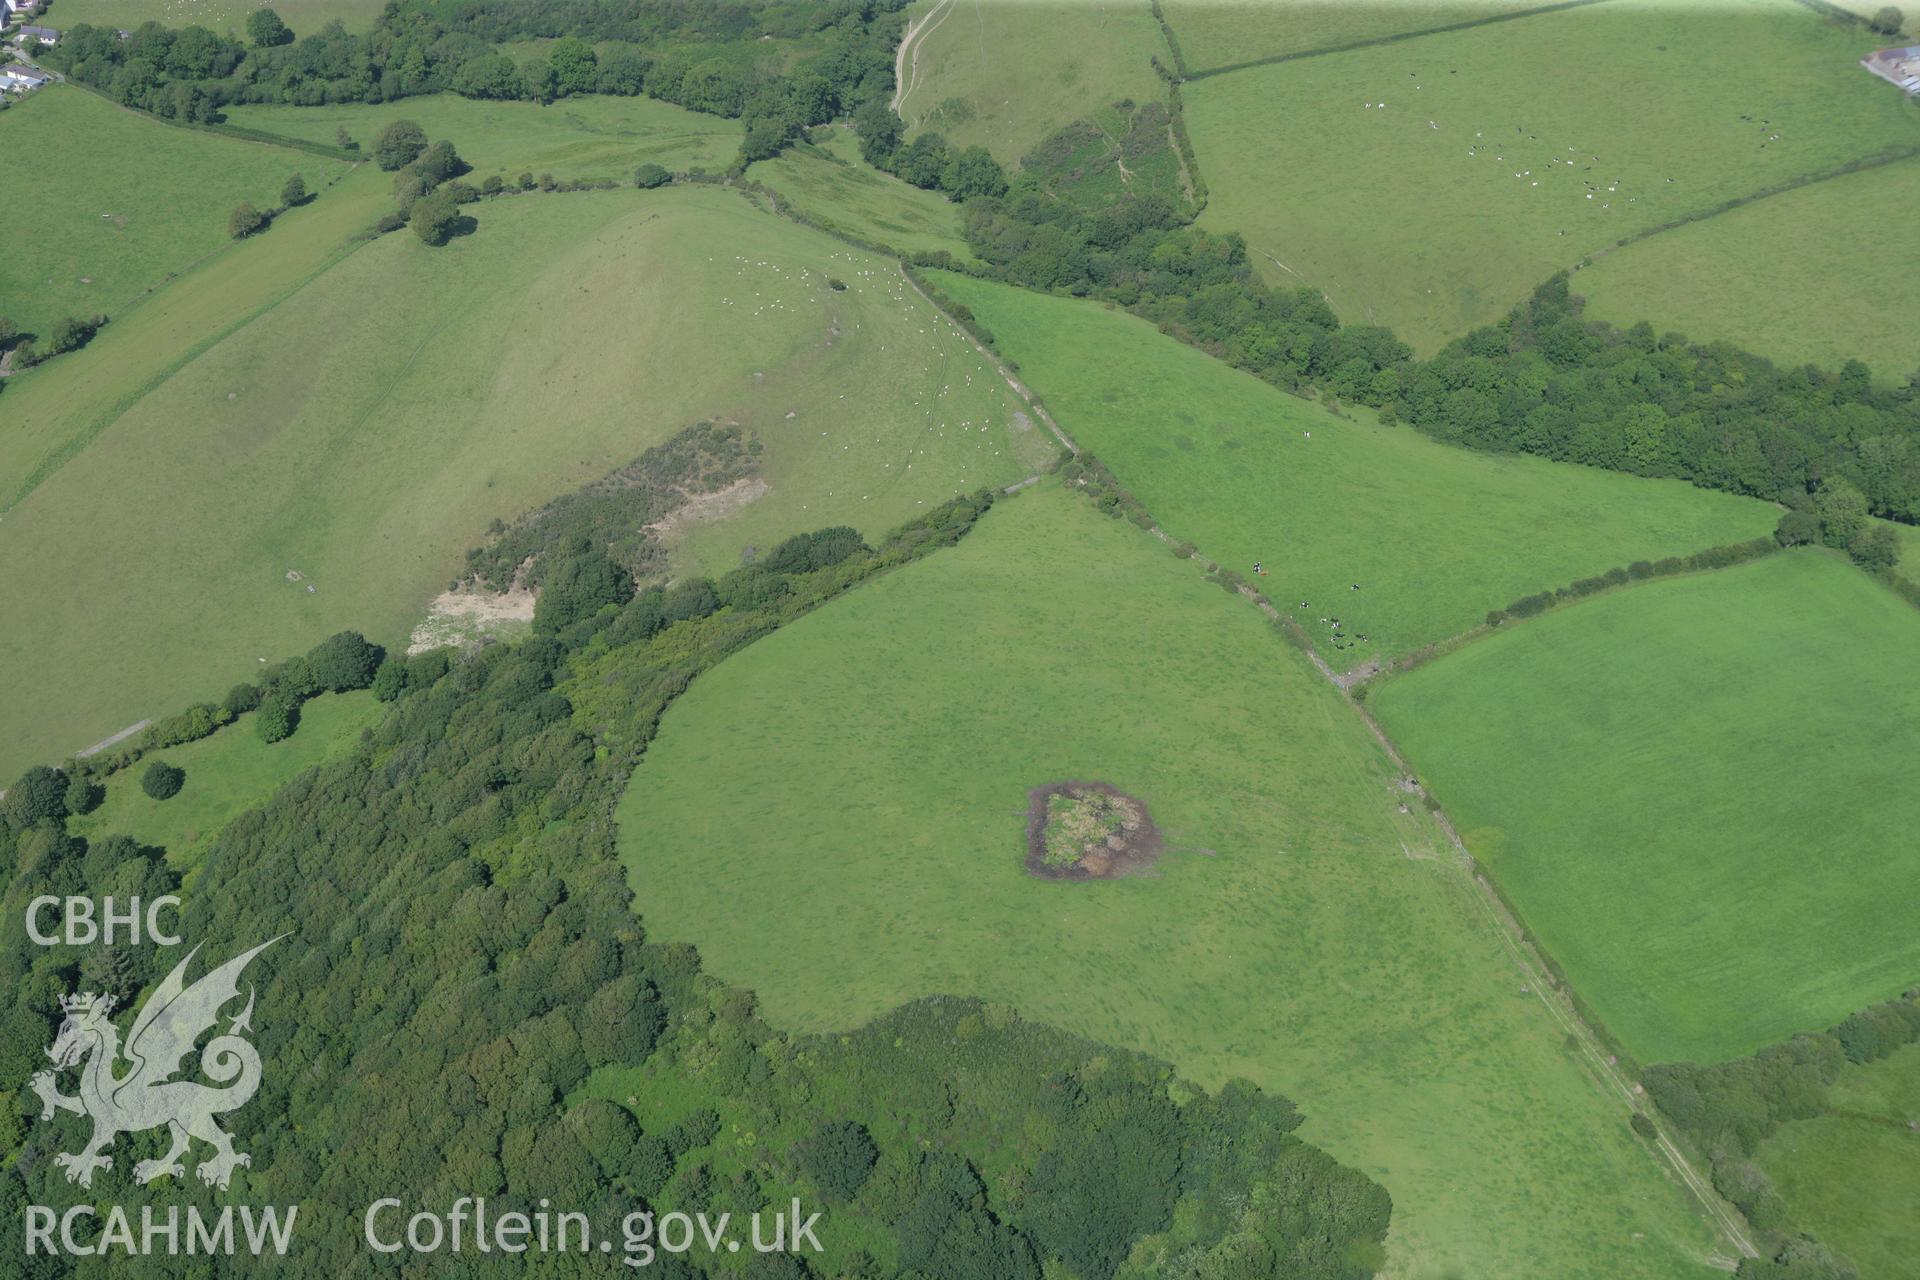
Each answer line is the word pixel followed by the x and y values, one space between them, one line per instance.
pixel 20 77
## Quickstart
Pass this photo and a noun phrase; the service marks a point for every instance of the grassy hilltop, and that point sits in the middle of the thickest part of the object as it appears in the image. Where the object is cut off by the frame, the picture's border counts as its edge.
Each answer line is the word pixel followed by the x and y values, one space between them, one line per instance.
pixel 486 380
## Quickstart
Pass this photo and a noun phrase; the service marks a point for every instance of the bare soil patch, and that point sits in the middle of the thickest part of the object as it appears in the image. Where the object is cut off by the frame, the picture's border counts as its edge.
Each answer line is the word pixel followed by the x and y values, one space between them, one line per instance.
pixel 473 616
pixel 701 508
pixel 1088 831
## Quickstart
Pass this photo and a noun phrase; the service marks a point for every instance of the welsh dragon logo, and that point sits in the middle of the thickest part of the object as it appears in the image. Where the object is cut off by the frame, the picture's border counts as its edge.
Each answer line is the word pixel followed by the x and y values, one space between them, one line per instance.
pixel 147 1095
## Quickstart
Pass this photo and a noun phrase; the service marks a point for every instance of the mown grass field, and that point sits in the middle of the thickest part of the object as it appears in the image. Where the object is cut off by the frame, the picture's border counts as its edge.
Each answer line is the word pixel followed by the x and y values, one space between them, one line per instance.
pixel 1712 830
pixel 1434 536
pixel 1802 277
pixel 111 203
pixel 227 774
pixel 1004 76
pixel 589 137
pixel 868 766
pixel 562 339
pixel 834 187
pixel 1440 210
pixel 1852 1176
pixel 1227 33
pixel 305 16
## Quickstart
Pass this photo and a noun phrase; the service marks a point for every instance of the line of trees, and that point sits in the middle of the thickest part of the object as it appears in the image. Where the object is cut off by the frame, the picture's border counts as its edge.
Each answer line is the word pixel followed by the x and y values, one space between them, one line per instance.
pixel 1545 379
pixel 1728 1109
pixel 711 61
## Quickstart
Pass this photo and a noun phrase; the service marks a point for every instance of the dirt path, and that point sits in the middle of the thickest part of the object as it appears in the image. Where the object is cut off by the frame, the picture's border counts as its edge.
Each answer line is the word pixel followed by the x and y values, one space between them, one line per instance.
pixel 906 60
pixel 1018 388
pixel 112 740
pixel 1539 981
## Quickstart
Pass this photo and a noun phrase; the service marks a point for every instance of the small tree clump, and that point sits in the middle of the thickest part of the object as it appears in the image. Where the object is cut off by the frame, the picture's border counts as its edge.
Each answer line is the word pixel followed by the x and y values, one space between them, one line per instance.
pixel 399 145
pixel 245 221
pixel 651 175
pixel 295 192
pixel 162 781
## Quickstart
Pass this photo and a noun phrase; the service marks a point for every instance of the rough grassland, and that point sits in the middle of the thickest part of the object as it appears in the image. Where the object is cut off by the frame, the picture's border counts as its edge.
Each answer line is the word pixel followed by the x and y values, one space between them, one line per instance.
pixel 1441 210
pixel 1852 1176
pixel 109 203
pixel 305 16
pixel 591 137
pixel 869 766
pixel 1805 276
pixel 1225 33
pixel 1435 536
pixel 1713 829
pixel 227 774
pixel 1004 76
pixel 831 185
pixel 438 390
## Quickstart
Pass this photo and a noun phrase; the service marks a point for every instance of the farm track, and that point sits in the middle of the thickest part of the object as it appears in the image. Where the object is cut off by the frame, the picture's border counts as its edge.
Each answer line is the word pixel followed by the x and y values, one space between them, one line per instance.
pixel 1526 958
pixel 906 61
pixel 1018 387
pixel 1540 982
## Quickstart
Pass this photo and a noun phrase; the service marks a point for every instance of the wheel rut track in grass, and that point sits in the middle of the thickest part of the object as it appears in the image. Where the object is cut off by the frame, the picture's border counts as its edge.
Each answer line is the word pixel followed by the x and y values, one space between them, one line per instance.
pixel 1539 980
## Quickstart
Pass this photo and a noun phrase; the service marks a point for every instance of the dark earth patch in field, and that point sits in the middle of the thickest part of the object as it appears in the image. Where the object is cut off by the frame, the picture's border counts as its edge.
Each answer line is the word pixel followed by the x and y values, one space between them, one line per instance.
pixel 1088 831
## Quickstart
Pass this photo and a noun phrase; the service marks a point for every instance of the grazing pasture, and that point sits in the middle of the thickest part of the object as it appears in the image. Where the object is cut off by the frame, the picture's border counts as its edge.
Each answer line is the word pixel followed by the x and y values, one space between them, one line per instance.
pixel 305 17
pixel 1808 276
pixel 830 184
pixel 1004 76
pixel 1227 33
pixel 130 202
pixel 1435 536
pixel 836 818
pixel 227 774
pixel 587 138
pixel 566 336
pixel 1713 829
pixel 1852 1176
pixel 1429 184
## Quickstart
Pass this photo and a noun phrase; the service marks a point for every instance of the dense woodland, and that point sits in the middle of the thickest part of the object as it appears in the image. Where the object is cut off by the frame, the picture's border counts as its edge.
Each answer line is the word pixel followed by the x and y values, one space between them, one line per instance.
pixel 468 993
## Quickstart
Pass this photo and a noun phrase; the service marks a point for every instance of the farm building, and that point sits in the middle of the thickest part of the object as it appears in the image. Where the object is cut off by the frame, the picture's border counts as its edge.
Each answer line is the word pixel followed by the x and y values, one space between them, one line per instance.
pixel 45 35
pixel 1898 66
pixel 19 77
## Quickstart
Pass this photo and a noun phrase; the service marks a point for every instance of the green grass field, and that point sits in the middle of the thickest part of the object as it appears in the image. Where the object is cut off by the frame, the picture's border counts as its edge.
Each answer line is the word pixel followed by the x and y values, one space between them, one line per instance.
pixel 305 16
pixel 1799 277
pixel 834 187
pixel 1852 1176
pixel 130 202
pixel 591 137
pixel 1226 33
pixel 1712 828
pixel 1004 76
pixel 227 774
pixel 868 766
pixel 566 336
pixel 1434 535
pixel 1442 209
